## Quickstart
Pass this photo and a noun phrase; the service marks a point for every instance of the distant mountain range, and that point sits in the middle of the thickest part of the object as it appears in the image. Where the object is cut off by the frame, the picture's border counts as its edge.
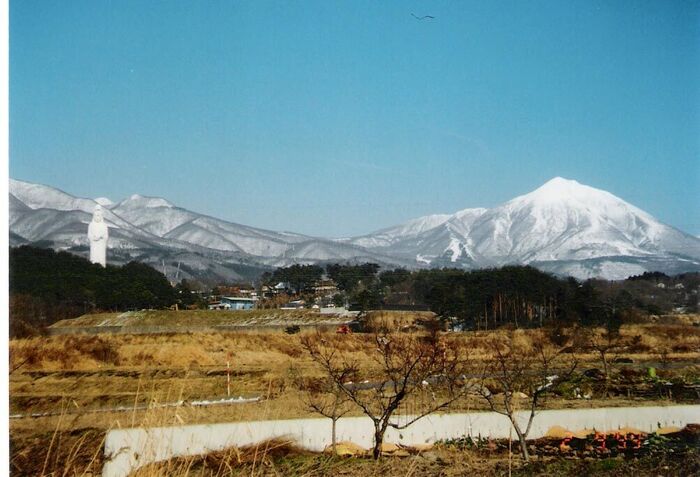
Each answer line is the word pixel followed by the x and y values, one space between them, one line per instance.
pixel 183 243
pixel 562 227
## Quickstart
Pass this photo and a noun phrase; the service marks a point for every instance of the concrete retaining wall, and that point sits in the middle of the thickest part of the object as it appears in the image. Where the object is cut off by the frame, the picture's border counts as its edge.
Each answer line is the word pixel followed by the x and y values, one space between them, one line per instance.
pixel 128 449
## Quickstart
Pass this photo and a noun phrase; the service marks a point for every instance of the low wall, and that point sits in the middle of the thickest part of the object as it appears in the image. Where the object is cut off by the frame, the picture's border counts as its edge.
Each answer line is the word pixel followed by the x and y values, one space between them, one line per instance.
pixel 128 449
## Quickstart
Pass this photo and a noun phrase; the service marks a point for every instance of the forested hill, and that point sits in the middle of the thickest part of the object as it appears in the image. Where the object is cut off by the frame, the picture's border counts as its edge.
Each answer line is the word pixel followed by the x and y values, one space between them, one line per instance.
pixel 519 296
pixel 47 286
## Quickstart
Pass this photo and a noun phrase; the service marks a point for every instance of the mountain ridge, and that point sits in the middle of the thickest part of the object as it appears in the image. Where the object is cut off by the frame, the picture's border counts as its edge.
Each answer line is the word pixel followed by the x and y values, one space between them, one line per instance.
pixel 561 221
pixel 165 236
pixel 562 226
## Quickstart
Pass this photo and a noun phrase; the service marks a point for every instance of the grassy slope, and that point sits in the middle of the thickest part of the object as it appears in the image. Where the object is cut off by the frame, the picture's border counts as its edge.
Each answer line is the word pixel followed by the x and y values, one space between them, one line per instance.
pixel 183 318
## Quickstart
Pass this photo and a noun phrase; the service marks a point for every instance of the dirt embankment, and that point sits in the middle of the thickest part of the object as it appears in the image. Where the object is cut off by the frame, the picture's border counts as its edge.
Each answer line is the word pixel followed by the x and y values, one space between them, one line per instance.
pixel 168 321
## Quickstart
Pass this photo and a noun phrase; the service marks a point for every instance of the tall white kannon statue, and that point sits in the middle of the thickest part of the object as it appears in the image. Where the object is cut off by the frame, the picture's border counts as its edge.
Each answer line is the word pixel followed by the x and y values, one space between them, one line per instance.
pixel 98 235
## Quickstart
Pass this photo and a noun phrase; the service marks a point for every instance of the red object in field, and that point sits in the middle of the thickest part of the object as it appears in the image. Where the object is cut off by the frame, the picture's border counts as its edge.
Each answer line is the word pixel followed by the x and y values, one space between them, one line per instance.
pixel 621 441
pixel 564 446
pixel 599 440
pixel 344 330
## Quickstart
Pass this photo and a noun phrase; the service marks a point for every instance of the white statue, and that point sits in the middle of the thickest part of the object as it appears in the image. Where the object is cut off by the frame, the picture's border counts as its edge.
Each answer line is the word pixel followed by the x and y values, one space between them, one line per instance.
pixel 98 235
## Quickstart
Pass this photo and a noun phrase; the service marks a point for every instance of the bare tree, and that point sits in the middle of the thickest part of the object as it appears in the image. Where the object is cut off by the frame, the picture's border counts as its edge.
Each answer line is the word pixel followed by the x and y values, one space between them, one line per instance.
pixel 423 370
pixel 524 374
pixel 607 344
pixel 324 397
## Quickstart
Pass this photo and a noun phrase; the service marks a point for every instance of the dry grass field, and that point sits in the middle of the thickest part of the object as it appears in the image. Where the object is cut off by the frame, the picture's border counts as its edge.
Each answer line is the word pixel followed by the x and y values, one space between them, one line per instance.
pixel 73 383
pixel 196 318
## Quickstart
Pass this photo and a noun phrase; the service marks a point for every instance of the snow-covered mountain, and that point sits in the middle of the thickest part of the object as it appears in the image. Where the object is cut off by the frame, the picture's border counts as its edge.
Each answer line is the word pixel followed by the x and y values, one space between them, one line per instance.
pixel 390 235
pixel 157 232
pixel 563 227
pixel 160 217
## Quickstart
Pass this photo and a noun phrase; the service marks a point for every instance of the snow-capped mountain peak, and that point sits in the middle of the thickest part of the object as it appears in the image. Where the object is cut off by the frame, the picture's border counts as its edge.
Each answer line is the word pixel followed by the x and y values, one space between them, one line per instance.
pixel 565 220
pixel 38 196
pixel 104 201
pixel 45 198
pixel 416 226
pixel 137 201
pixel 557 187
pixel 571 194
pixel 561 221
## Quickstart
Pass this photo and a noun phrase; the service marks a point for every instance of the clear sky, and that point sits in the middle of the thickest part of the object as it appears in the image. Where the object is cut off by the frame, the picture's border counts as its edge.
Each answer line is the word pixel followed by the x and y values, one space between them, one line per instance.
pixel 336 118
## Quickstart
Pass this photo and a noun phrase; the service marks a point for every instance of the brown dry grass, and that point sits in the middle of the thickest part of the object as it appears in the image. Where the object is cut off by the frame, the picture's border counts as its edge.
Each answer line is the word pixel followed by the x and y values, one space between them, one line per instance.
pixel 76 452
pixel 108 370
pixel 256 460
pixel 76 374
pixel 186 350
pixel 279 458
pixel 184 318
pixel 396 320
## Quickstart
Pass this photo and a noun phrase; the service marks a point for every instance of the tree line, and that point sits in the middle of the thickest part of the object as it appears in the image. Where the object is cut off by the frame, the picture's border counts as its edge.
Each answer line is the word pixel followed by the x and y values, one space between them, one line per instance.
pixel 519 296
pixel 47 286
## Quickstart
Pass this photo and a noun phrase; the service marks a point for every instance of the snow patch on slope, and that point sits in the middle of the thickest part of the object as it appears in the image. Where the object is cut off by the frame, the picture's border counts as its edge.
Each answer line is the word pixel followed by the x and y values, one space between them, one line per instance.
pixel 455 248
pixel 104 201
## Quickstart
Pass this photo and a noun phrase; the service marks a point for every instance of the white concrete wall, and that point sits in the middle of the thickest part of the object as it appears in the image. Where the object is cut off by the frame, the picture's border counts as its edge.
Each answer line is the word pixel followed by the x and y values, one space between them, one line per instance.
pixel 128 449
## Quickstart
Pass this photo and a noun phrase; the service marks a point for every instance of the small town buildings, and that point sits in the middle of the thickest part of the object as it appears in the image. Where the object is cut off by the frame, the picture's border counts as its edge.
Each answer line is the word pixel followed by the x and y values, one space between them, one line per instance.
pixel 293 305
pixel 281 287
pixel 233 303
pixel 323 287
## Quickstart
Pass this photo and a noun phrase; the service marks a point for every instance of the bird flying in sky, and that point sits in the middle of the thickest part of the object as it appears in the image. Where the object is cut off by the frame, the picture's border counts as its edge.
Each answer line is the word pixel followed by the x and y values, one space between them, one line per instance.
pixel 429 17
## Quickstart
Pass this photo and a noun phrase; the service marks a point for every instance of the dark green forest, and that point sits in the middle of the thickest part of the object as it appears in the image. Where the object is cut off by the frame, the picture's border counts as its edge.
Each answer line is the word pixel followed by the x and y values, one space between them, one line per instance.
pixel 519 296
pixel 47 286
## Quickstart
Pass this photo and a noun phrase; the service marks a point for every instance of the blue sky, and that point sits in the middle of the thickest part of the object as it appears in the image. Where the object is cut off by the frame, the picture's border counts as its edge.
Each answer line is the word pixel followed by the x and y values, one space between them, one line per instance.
pixel 338 118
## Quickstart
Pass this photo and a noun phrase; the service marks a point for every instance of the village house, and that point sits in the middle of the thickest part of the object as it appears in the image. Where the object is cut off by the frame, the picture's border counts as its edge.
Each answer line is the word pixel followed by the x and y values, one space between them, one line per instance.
pixel 293 305
pixel 234 303
pixel 324 287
